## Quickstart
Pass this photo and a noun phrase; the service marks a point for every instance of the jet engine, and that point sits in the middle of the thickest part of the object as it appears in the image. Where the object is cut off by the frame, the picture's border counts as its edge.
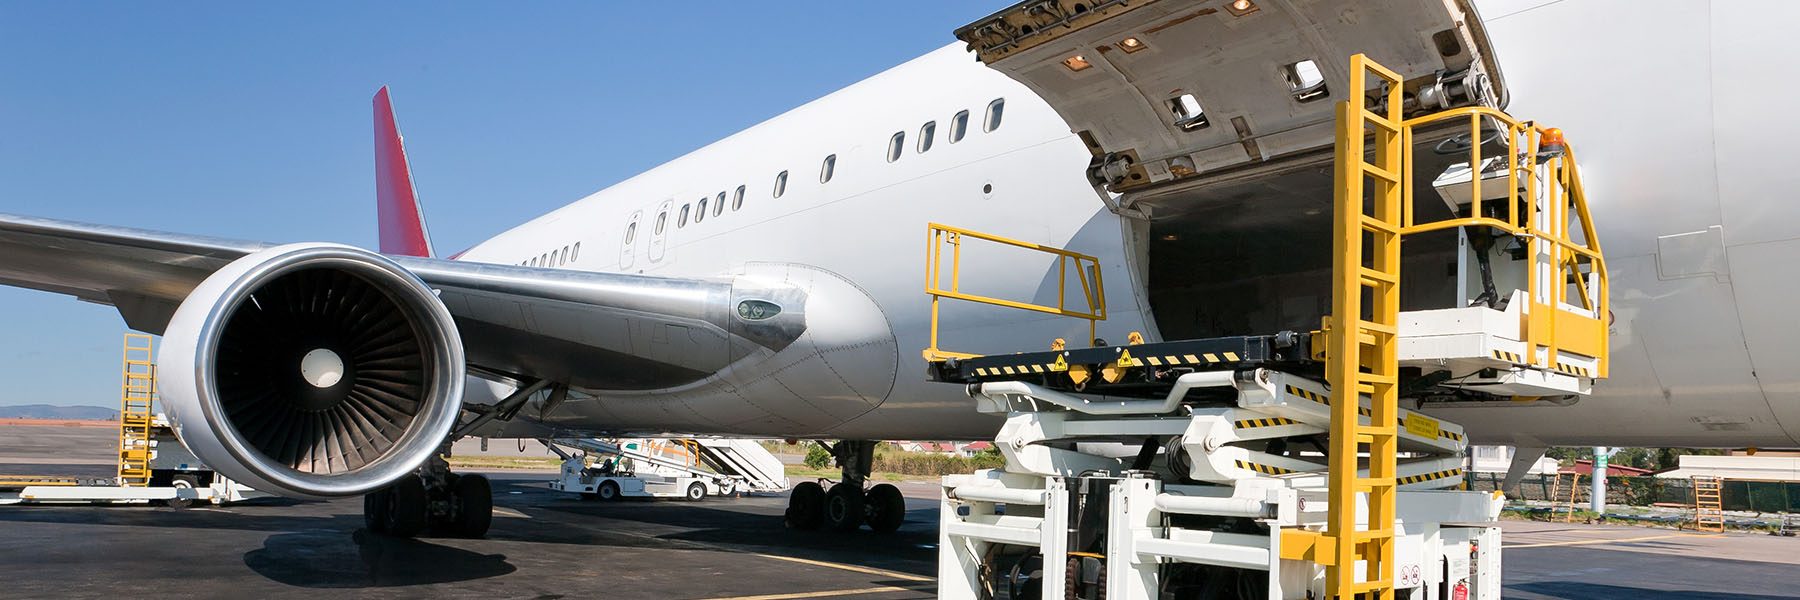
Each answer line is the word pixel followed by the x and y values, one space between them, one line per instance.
pixel 312 370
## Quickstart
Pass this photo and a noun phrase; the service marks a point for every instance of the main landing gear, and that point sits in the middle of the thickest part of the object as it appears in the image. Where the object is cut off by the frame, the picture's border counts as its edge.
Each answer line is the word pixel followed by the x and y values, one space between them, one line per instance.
pixel 446 503
pixel 847 506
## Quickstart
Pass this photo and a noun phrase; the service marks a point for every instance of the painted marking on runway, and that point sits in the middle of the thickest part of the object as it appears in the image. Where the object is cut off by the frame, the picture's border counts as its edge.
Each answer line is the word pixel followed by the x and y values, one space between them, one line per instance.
pixel 826 593
pixel 869 570
pixel 1617 541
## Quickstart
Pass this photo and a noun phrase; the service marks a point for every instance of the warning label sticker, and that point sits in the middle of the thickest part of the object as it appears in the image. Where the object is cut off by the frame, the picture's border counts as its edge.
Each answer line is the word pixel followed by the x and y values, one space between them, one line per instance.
pixel 1422 426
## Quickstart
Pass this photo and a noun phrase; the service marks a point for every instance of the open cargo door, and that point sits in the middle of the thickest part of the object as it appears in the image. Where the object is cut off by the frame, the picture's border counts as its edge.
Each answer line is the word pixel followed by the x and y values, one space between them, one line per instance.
pixel 1170 90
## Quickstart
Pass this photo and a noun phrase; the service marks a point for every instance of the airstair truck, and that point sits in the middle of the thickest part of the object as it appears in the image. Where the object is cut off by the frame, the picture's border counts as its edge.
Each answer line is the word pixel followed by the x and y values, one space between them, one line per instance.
pixel 677 468
pixel 1287 463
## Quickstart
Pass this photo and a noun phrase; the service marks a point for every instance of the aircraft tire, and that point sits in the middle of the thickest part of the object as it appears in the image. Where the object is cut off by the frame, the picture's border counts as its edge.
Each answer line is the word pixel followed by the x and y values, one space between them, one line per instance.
pixel 887 508
pixel 844 507
pixel 806 506
pixel 375 510
pixel 476 498
pixel 406 506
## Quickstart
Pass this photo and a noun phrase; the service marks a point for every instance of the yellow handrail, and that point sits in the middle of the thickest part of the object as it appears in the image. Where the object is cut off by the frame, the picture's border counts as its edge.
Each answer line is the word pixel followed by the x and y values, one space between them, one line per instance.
pixel 1087 274
pixel 1544 225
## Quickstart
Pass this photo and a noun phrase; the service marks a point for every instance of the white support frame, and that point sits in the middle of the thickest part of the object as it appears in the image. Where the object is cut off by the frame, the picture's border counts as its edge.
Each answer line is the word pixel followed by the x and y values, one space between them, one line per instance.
pixel 1027 504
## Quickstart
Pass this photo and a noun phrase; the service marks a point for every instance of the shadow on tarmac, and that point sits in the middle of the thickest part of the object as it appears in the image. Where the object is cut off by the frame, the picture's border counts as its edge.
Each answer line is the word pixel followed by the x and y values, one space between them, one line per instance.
pixel 323 558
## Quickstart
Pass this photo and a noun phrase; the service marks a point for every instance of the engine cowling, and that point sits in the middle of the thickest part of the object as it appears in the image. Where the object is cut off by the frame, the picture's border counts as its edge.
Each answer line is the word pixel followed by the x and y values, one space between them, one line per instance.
pixel 312 370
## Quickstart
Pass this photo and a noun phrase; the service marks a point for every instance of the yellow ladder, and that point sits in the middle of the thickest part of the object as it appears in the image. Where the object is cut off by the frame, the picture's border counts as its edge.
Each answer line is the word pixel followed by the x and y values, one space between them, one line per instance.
pixel 135 398
pixel 1362 347
pixel 1709 510
pixel 1574 494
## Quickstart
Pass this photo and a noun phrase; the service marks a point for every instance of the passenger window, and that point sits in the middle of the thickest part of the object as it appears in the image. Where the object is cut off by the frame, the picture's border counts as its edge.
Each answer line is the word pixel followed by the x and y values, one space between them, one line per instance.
pixel 825 170
pixel 994 110
pixel 630 232
pixel 959 125
pixel 661 219
pixel 896 146
pixel 682 220
pixel 575 252
pixel 562 258
pixel 780 184
pixel 700 213
pixel 926 132
pixel 719 204
pixel 737 198
pixel 534 261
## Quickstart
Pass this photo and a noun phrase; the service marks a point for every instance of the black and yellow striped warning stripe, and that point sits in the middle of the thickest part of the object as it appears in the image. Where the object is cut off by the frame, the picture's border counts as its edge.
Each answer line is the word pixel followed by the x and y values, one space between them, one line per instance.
pixel 1264 469
pixel 1309 395
pixel 1269 422
pixel 1430 476
pixel 1514 357
pixel 1015 370
pixel 1326 400
pixel 1573 370
pixel 1204 358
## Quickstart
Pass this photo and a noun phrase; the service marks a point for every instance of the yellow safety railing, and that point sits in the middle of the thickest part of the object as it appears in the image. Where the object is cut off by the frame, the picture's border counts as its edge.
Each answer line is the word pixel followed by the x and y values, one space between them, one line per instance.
pixel 944 237
pixel 1542 206
pixel 1546 165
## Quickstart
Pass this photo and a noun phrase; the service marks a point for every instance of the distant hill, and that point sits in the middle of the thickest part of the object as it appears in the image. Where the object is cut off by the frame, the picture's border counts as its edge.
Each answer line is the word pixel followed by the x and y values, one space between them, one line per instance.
pixel 50 411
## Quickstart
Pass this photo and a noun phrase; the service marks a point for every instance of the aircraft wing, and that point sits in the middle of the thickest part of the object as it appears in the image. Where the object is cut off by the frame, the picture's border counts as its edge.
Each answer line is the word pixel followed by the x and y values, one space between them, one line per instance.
pixel 623 331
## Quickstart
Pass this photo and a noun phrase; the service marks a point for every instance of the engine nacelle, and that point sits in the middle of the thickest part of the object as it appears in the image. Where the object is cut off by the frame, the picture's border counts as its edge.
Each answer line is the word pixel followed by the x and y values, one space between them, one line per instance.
pixel 312 370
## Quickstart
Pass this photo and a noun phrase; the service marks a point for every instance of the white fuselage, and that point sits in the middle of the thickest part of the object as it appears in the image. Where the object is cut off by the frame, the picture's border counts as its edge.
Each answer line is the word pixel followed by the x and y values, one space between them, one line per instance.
pixel 1684 173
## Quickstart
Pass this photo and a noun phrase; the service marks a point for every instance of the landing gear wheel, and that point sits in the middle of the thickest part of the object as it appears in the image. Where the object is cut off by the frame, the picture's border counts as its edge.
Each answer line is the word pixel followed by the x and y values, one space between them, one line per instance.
pixel 806 506
pixel 375 510
pixel 406 509
pixel 887 508
pixel 844 507
pixel 475 496
pixel 183 482
pixel 696 491
pixel 609 490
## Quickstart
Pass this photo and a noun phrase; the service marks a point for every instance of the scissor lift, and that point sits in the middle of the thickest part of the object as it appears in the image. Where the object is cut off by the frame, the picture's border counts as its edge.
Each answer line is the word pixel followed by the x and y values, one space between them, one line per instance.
pixel 1281 465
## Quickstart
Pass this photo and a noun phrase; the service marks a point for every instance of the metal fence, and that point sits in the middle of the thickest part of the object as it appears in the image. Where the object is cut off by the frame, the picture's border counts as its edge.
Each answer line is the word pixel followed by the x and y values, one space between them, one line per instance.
pixel 1753 496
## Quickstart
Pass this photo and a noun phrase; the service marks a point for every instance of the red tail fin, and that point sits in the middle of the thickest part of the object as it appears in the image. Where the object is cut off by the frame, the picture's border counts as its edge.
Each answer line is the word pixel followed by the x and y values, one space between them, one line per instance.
pixel 396 203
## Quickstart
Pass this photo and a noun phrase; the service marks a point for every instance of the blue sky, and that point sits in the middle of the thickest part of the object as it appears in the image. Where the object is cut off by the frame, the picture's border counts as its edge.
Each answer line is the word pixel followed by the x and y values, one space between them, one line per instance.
pixel 254 123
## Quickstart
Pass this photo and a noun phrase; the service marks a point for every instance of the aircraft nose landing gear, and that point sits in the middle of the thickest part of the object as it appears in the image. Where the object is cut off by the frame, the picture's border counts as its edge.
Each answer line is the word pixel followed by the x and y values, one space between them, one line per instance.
pixel 847 506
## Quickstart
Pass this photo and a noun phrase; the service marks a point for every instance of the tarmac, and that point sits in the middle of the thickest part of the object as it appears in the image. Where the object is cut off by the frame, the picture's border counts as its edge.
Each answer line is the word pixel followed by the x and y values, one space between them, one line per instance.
pixel 545 544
